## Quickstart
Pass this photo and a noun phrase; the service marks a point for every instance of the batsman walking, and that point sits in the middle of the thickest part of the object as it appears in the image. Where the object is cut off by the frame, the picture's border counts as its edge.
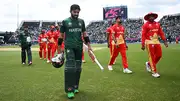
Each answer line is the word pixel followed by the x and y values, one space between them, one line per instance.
pixel 73 28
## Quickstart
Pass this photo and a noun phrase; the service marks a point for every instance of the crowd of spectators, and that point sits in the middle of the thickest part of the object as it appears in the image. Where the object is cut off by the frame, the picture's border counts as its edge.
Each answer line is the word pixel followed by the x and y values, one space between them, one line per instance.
pixel 171 26
pixel 97 29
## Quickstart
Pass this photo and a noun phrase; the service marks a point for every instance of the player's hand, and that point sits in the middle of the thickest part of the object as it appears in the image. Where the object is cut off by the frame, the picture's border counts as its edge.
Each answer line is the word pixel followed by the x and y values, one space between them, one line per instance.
pixel 143 47
pixel 166 44
pixel 126 47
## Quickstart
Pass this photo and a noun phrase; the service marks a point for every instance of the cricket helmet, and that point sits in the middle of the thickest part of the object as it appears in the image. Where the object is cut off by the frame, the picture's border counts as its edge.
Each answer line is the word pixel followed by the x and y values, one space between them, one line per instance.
pixel 146 17
pixel 58 61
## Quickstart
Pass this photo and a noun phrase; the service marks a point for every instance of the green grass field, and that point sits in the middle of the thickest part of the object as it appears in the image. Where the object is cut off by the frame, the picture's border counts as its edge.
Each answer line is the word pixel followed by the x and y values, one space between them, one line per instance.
pixel 42 82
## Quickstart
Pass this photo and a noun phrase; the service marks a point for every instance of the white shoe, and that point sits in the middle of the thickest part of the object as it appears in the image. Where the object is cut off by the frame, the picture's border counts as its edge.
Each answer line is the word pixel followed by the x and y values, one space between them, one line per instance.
pixel 156 75
pixel 23 63
pixel 127 71
pixel 148 68
pixel 40 58
pixel 83 61
pixel 48 61
pixel 110 68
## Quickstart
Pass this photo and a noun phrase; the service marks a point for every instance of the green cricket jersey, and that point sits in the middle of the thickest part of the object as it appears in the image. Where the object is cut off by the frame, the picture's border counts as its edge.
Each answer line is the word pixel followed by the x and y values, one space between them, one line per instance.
pixel 25 38
pixel 73 28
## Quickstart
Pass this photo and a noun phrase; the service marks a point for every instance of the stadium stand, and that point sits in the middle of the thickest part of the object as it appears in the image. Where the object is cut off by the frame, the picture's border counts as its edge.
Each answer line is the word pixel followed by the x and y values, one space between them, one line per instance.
pixel 97 29
pixel 171 26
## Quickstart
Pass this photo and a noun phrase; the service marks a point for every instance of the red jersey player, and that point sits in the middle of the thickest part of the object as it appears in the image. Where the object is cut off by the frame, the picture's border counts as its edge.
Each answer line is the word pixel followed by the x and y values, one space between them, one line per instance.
pixel 120 45
pixel 42 39
pixel 51 36
pixel 109 39
pixel 150 32
pixel 57 36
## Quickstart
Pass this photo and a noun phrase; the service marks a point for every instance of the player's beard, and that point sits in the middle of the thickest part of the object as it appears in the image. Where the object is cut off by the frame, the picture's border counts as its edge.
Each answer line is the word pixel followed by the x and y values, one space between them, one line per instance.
pixel 74 16
pixel 119 22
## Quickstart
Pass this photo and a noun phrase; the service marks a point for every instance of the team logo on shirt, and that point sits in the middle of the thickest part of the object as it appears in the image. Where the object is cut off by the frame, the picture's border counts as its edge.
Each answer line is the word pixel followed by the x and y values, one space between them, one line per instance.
pixel 69 24
pixel 80 24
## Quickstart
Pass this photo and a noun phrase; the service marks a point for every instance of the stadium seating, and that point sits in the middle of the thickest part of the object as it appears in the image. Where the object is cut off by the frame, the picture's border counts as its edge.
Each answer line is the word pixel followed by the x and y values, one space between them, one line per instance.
pixel 97 29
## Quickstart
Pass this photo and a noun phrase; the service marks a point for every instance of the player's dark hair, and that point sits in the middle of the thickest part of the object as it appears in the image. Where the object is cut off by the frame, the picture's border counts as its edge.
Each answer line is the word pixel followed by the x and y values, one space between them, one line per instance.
pixel 74 7
pixel 118 17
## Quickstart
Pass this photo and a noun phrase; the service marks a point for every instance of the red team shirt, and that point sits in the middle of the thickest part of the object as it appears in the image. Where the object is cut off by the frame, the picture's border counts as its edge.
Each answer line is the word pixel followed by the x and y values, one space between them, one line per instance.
pixel 118 31
pixel 52 36
pixel 57 35
pixel 42 38
pixel 150 33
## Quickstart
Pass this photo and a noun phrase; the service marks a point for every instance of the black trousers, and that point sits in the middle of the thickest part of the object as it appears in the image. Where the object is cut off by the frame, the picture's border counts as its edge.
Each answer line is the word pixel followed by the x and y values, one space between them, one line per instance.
pixel 26 49
pixel 72 68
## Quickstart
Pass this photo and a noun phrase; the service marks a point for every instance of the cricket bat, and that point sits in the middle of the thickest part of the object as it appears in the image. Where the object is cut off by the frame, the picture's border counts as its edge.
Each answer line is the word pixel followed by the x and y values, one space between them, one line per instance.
pixel 94 57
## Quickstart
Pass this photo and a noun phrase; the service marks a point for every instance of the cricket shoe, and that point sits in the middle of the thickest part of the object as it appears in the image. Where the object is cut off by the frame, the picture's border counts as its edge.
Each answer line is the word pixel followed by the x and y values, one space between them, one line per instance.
pixel 148 68
pixel 76 91
pixel 48 61
pixel 110 68
pixel 30 63
pixel 156 75
pixel 83 61
pixel 70 95
pixel 40 58
pixel 23 63
pixel 126 70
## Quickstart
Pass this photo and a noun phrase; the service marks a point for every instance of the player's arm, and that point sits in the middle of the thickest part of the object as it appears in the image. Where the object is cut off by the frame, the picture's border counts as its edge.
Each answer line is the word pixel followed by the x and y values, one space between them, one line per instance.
pixel 85 36
pixel 39 39
pixel 143 36
pixel 161 33
pixel 47 36
pixel 61 37
pixel 20 38
pixel 124 34
pixel 113 35
pixel 107 34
